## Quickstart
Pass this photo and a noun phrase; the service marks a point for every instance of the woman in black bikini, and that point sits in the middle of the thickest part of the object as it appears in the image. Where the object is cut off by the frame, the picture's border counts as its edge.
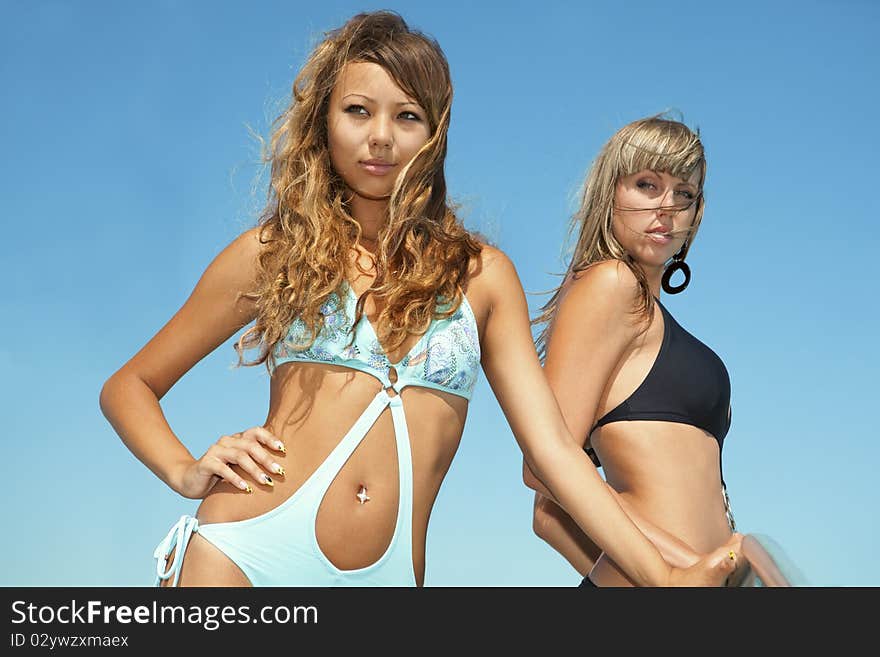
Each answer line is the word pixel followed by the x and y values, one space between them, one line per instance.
pixel 650 401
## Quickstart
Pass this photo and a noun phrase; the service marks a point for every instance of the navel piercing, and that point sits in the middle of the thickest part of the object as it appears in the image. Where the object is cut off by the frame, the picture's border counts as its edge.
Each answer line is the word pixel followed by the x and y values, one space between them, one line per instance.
pixel 362 495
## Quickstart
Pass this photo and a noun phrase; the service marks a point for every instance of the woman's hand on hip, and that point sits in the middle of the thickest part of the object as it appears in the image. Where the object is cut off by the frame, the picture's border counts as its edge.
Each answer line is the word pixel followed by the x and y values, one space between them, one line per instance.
pixel 251 450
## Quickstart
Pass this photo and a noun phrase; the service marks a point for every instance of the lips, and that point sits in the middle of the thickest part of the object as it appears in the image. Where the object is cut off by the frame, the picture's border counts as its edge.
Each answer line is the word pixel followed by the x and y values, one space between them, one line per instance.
pixel 659 235
pixel 376 167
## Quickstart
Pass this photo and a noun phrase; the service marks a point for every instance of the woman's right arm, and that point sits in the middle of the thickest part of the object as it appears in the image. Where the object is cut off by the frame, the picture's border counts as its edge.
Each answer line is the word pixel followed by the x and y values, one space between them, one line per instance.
pixel 555 527
pixel 130 397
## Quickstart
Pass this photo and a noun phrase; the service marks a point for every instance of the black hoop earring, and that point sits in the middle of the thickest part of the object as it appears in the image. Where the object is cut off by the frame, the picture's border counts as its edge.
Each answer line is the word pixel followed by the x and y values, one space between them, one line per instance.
pixel 674 266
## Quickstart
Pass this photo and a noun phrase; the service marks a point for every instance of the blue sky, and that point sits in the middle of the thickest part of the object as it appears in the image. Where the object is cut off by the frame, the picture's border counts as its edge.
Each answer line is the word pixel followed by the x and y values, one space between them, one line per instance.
pixel 129 161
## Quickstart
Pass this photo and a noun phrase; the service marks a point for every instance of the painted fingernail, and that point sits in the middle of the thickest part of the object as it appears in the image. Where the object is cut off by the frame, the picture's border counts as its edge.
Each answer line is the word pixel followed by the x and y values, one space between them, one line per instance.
pixel 268 480
pixel 246 487
pixel 278 469
pixel 280 447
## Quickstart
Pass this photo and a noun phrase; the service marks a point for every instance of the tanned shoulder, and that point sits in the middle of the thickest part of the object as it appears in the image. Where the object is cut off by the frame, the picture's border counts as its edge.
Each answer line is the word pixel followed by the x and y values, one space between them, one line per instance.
pixel 607 289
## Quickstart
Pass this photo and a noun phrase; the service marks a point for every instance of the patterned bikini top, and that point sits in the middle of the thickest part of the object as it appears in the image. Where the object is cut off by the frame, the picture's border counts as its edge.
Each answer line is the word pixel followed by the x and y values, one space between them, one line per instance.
pixel 446 357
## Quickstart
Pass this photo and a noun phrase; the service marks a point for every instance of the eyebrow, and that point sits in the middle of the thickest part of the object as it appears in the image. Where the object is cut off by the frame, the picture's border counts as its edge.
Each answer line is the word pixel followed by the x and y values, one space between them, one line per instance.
pixel 684 182
pixel 373 100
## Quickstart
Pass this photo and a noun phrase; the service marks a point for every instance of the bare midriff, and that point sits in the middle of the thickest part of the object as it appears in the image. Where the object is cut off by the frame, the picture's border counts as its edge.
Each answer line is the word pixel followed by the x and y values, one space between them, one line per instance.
pixel 312 406
pixel 670 474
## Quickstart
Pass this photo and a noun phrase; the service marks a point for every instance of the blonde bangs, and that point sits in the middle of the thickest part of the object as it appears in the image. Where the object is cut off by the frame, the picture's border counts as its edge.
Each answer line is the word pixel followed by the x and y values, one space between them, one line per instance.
pixel 660 145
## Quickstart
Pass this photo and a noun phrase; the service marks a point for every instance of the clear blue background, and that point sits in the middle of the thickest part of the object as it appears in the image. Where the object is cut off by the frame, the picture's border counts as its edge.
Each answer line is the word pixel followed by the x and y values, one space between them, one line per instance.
pixel 128 162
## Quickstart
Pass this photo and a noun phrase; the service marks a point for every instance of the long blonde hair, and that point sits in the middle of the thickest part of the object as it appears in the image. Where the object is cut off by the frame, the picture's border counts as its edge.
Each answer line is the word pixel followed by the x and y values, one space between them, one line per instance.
pixel 654 143
pixel 306 230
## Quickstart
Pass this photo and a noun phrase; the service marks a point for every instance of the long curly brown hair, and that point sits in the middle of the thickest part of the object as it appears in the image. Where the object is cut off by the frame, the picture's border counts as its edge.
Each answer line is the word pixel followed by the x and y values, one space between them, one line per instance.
pixel 307 231
pixel 656 143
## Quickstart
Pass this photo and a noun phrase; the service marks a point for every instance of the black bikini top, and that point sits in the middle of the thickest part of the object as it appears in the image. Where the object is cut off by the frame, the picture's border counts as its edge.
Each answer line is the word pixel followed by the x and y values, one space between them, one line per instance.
pixel 688 383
